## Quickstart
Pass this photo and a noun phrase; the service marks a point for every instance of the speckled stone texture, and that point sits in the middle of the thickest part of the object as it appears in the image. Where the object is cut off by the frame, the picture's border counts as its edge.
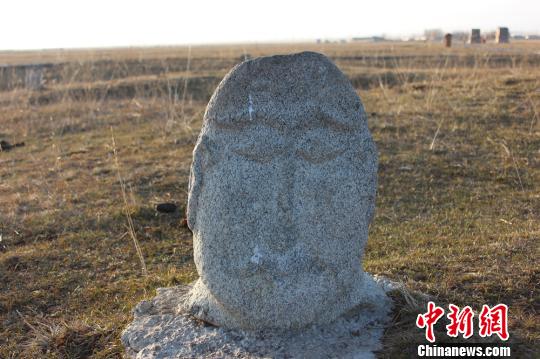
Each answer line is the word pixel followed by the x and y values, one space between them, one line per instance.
pixel 282 191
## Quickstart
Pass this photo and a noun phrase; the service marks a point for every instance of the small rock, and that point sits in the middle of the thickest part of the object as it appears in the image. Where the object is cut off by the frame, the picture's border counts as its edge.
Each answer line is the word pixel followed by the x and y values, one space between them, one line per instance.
pixel 6 146
pixel 166 207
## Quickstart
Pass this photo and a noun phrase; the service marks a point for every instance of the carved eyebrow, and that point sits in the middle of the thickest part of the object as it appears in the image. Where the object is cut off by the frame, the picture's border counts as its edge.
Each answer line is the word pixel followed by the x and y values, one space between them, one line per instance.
pixel 241 122
pixel 327 120
pixel 311 119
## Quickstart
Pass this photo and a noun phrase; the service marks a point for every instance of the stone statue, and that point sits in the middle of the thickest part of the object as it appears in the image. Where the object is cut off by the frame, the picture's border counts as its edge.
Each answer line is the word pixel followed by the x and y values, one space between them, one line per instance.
pixel 282 191
pixel 281 194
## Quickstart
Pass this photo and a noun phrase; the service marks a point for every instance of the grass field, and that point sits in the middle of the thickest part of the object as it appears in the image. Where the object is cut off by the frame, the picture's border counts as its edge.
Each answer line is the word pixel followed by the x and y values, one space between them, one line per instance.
pixel 458 209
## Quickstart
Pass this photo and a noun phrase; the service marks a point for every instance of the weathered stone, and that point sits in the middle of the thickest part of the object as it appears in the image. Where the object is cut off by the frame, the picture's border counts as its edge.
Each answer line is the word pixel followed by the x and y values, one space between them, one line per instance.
pixel 502 35
pixel 160 331
pixel 448 40
pixel 282 191
pixel 474 37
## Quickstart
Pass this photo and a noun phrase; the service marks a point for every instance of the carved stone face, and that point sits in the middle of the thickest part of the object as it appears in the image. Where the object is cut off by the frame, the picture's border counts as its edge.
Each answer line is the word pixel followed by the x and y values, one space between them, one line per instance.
pixel 281 196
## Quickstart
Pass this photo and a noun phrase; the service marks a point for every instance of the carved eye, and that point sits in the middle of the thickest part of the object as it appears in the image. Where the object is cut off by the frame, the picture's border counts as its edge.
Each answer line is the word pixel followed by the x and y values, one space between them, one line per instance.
pixel 321 145
pixel 259 143
pixel 320 156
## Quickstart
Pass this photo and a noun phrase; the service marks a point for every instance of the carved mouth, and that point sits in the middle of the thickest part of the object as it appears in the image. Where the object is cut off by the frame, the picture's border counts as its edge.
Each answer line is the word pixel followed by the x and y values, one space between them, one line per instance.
pixel 276 266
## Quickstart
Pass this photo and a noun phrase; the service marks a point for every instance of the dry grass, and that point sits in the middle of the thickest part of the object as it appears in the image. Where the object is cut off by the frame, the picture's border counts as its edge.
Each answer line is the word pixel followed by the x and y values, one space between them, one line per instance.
pixel 458 206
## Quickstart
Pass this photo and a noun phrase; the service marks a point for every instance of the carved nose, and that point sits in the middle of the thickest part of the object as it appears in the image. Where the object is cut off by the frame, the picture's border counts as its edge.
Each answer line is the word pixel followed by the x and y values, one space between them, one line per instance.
pixel 285 236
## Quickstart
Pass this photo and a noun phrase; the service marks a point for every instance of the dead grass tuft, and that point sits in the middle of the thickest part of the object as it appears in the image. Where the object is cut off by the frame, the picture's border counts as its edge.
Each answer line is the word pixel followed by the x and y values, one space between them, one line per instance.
pixel 66 339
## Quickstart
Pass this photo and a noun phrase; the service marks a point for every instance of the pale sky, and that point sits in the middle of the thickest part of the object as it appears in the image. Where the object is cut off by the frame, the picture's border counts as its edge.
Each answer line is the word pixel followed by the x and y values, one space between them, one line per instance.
pixel 33 24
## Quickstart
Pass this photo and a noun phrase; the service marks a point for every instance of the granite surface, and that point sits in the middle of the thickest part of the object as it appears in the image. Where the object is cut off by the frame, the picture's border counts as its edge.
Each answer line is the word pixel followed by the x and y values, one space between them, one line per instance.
pixel 282 191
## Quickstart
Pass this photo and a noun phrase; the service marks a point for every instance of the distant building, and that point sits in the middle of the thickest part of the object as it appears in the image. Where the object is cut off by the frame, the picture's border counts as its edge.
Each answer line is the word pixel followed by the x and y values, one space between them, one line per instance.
pixel 448 40
pixel 533 37
pixel 502 36
pixel 475 37
pixel 369 39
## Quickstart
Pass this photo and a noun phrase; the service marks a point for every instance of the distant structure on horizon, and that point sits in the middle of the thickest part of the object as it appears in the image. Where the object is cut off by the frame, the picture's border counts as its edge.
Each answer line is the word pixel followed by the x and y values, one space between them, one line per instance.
pixel 29 76
pixel 369 39
pixel 475 37
pixel 502 35
pixel 448 40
